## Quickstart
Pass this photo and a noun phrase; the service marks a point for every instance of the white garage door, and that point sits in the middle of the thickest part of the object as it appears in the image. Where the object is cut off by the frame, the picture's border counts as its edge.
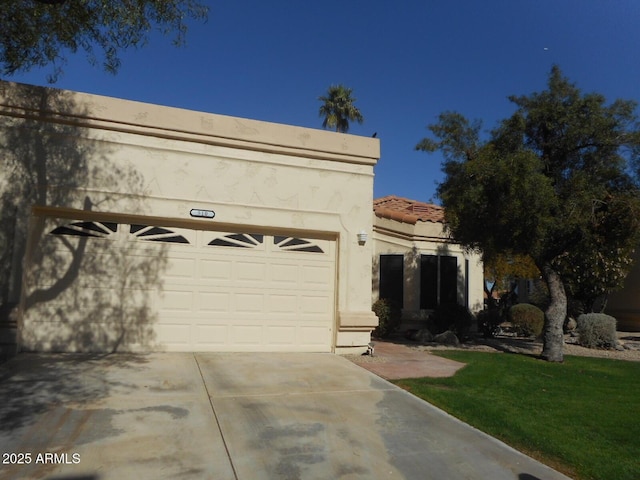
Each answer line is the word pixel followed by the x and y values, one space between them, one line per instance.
pixel 105 286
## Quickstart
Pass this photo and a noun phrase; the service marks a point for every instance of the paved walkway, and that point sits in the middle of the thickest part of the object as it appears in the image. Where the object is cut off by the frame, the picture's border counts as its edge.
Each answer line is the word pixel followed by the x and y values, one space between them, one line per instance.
pixel 392 361
pixel 233 417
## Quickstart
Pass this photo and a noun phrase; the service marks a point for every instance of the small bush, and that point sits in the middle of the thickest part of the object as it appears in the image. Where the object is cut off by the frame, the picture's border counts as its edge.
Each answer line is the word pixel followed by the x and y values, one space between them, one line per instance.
pixel 489 322
pixel 527 319
pixel 597 330
pixel 451 316
pixel 388 318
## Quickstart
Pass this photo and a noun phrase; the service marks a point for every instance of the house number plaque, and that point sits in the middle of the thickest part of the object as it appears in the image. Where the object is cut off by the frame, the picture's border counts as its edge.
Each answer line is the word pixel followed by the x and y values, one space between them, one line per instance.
pixel 202 213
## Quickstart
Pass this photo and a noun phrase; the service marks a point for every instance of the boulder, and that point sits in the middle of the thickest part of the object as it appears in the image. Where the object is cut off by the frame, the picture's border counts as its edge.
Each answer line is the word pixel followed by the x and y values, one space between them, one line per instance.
pixel 570 324
pixel 410 334
pixel 447 338
pixel 423 336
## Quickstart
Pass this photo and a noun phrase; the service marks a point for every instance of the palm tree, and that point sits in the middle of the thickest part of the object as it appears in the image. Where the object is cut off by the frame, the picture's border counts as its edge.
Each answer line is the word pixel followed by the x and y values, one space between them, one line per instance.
pixel 338 109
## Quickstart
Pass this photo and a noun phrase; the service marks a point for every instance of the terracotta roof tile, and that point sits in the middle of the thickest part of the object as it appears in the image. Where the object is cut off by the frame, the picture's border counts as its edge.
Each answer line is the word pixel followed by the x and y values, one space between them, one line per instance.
pixel 407 211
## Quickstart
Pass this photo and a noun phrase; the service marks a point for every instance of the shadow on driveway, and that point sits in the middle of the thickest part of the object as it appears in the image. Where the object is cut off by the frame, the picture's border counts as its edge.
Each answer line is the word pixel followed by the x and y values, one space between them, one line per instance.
pixel 108 416
pixel 233 416
pixel 34 383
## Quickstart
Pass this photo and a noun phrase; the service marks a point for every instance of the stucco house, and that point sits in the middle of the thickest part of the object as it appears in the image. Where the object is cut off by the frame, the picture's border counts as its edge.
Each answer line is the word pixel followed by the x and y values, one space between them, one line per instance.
pixel 624 304
pixel 416 263
pixel 134 227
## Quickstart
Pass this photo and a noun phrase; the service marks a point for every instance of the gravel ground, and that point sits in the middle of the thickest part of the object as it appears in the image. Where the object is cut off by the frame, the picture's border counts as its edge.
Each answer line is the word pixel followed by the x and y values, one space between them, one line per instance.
pixel 629 347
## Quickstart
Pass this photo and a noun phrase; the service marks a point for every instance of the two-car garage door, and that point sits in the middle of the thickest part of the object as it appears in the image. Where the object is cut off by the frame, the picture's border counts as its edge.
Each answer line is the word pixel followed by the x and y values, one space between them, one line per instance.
pixel 106 286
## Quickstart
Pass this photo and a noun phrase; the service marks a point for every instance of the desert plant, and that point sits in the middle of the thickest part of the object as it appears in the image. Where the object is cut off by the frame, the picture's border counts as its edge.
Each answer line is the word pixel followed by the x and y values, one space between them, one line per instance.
pixel 388 318
pixel 451 316
pixel 527 319
pixel 597 330
pixel 489 322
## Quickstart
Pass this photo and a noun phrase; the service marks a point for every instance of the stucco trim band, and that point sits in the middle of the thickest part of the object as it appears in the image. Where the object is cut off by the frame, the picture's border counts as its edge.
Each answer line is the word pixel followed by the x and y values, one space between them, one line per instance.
pixel 128 116
pixel 357 320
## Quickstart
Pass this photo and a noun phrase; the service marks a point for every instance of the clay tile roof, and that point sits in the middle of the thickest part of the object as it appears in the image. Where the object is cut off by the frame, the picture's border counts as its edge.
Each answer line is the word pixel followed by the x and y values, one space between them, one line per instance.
pixel 407 211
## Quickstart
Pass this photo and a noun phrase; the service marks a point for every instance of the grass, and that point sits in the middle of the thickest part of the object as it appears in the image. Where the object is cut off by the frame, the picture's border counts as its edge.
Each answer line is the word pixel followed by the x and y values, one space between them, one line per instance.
pixel 581 417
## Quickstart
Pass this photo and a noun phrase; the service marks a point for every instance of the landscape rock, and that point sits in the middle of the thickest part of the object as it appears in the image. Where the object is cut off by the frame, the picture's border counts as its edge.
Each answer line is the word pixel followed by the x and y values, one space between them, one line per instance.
pixel 410 334
pixel 570 324
pixel 447 338
pixel 423 336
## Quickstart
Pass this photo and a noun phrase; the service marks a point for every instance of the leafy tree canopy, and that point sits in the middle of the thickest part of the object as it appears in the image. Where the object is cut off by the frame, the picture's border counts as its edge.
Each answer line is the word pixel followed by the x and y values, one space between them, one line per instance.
pixel 604 257
pixel 552 182
pixel 338 108
pixel 505 269
pixel 37 33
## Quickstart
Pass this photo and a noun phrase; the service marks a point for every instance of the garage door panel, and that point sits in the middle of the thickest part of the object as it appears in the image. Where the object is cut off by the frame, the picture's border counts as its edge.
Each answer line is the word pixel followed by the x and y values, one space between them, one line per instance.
pixel 247 334
pixel 284 274
pixel 283 304
pixel 214 301
pixel 281 335
pixel 63 336
pixel 88 301
pixel 313 336
pixel 218 269
pixel 250 273
pixel 314 304
pixel 97 270
pixel 176 301
pixel 88 270
pixel 72 333
pixel 142 287
pixel 248 303
pixel 316 275
pixel 174 335
pixel 181 268
pixel 211 334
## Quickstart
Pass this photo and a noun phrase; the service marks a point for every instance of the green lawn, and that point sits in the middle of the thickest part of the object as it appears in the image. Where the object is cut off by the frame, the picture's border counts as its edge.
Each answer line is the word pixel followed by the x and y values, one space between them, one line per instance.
pixel 581 417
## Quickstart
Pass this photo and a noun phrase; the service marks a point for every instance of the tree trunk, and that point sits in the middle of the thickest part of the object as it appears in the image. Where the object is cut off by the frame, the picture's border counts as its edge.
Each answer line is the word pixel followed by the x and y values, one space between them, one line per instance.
pixel 605 300
pixel 553 336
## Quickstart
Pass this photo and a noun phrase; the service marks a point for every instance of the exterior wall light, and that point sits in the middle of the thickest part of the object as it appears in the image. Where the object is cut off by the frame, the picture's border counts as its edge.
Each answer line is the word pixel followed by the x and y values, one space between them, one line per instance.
pixel 362 237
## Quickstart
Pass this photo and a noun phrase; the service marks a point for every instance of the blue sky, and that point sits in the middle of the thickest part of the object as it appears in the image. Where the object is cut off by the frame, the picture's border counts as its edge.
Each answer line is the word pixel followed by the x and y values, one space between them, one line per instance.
pixel 406 61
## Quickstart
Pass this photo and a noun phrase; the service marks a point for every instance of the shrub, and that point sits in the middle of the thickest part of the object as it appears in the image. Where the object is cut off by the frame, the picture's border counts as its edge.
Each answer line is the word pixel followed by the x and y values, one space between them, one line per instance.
pixel 489 322
pixel 388 318
pixel 597 330
pixel 451 316
pixel 527 319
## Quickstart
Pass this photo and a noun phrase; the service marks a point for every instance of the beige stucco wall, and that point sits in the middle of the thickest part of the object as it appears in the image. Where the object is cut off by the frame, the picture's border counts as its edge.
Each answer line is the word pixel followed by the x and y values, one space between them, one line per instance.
pixel 76 151
pixel 424 238
pixel 624 304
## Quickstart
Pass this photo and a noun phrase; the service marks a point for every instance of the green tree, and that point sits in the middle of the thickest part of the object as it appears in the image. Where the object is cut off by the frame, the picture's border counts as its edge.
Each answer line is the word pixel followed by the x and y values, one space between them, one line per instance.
pixel 604 259
pixel 338 109
pixel 37 33
pixel 503 271
pixel 551 182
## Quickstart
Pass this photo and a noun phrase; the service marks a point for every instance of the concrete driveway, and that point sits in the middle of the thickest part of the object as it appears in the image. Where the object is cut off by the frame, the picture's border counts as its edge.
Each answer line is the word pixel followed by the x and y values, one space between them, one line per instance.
pixel 232 416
